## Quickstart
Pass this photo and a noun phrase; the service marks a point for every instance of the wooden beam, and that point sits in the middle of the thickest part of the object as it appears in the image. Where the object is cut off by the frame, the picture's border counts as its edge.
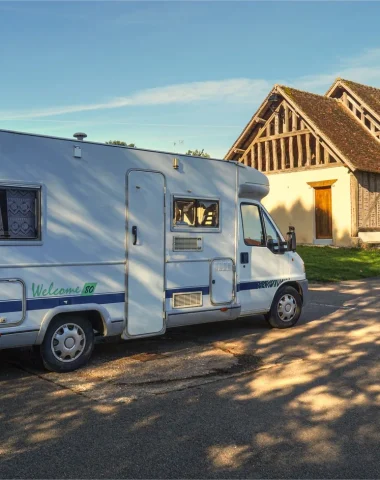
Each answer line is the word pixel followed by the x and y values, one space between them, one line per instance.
pixel 317 151
pixel 286 118
pixel 371 120
pixel 368 229
pixel 263 128
pixel 260 158
pixel 275 158
pixel 300 152
pixel 253 158
pixel 308 150
pixel 329 152
pixel 267 156
pixel 354 196
pixel 302 169
pixel 239 150
pixel 323 183
pixel 317 132
pixel 245 159
pixel 283 135
pixel 282 145
pixel 344 99
pixel 327 155
pixel 354 103
pixel 294 121
pixel 276 125
pixel 291 153
pixel 260 120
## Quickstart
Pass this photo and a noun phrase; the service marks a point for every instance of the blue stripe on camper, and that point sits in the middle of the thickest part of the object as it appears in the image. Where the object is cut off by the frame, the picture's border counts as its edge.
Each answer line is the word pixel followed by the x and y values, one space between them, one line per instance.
pixel 240 287
pixel 261 284
pixel 204 290
pixel 40 303
pixel 51 302
pixel 10 306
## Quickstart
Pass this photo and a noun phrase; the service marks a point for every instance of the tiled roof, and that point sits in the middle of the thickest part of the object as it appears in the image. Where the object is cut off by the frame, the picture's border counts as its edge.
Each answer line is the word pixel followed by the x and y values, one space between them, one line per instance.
pixel 339 126
pixel 358 147
pixel 370 95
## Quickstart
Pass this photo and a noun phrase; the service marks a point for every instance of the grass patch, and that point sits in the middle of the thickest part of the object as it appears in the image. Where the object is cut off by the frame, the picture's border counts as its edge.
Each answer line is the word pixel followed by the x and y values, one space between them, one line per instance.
pixel 326 264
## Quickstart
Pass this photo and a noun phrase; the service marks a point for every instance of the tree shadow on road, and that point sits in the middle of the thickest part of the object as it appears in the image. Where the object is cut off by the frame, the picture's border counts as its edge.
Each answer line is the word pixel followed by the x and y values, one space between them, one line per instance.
pixel 309 409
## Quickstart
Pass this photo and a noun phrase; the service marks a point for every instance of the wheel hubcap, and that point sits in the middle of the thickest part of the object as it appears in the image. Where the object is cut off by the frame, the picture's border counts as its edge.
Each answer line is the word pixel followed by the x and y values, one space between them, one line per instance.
pixel 286 308
pixel 68 342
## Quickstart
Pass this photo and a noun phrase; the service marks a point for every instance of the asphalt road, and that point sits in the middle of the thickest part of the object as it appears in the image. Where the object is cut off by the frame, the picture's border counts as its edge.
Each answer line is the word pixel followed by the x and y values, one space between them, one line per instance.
pixel 232 400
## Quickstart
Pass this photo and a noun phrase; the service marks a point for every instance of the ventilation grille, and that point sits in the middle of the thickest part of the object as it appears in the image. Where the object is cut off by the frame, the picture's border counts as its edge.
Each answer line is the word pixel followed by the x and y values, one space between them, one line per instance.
pixel 187 244
pixel 186 300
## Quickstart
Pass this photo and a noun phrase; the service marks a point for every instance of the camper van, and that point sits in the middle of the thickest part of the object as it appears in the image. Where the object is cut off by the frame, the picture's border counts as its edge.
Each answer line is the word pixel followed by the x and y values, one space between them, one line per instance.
pixel 100 240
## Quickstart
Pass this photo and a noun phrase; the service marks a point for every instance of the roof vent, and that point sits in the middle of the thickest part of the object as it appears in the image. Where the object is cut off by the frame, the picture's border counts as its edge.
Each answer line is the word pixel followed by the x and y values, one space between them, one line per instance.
pixel 80 136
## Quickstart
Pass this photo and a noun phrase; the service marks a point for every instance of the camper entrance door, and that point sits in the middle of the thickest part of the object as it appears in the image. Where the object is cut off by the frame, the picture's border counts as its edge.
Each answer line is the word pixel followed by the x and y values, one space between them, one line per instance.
pixel 145 253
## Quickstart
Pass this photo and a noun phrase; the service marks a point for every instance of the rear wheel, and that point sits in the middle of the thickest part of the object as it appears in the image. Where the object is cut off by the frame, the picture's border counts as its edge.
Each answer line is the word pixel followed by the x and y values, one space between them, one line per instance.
pixel 68 343
pixel 286 308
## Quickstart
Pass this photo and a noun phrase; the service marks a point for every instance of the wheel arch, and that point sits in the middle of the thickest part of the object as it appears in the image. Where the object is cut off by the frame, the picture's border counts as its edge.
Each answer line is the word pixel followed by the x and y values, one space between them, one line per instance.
pixel 292 283
pixel 96 314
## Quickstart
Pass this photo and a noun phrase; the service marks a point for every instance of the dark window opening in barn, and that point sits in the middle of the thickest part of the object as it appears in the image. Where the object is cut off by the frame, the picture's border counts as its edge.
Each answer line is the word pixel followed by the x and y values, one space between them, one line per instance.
pixel 263 164
pixel 313 150
pixel 303 150
pixel 295 153
pixel 287 158
pixel 270 159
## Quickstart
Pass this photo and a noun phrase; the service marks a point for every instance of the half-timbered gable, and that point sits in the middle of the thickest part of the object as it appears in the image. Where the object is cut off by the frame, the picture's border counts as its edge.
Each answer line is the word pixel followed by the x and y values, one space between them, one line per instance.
pixel 329 145
pixel 361 100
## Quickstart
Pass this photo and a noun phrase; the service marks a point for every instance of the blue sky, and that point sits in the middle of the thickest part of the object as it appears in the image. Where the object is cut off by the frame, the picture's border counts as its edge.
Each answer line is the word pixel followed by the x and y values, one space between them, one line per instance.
pixel 172 75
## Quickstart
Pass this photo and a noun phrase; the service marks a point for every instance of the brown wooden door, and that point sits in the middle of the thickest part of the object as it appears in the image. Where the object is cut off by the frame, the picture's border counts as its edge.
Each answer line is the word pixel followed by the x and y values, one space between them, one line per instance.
pixel 323 215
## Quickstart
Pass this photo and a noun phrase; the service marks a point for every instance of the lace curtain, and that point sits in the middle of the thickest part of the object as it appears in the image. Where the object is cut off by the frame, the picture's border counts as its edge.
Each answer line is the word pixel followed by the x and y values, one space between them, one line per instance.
pixel 21 213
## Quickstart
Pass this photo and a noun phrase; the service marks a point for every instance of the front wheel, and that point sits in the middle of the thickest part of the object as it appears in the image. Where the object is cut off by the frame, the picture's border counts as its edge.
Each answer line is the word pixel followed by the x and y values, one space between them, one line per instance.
pixel 68 343
pixel 286 308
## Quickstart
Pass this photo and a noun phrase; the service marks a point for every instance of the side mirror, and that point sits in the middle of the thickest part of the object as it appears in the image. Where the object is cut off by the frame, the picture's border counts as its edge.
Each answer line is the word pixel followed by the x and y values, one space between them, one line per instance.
pixel 292 239
pixel 273 245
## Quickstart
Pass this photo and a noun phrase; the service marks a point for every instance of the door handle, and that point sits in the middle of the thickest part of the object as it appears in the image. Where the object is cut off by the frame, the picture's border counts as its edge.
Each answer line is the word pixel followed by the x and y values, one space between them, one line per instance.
pixel 244 257
pixel 134 233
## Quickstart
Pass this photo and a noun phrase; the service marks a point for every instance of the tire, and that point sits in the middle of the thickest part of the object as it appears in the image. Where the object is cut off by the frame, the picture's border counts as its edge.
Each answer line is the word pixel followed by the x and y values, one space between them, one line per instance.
pixel 286 308
pixel 68 343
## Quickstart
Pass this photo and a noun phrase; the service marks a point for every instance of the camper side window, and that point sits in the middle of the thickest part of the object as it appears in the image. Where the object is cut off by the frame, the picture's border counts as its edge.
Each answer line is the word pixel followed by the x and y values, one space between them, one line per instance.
pixel 252 226
pixel 19 213
pixel 194 212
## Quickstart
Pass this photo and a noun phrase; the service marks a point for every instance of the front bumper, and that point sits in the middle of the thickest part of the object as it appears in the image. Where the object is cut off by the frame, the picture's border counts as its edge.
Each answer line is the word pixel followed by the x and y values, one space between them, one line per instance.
pixel 304 284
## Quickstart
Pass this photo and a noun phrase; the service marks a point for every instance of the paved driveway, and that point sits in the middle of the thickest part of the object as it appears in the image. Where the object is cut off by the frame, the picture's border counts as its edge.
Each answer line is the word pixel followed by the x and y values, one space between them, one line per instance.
pixel 218 401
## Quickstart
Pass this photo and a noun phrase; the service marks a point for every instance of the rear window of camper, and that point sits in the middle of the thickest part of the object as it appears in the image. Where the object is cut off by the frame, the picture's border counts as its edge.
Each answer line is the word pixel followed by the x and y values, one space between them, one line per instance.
pixel 195 212
pixel 19 213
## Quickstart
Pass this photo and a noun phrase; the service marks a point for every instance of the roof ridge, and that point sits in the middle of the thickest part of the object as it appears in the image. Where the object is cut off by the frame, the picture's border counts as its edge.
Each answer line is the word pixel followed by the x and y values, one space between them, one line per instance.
pixel 284 87
pixel 344 80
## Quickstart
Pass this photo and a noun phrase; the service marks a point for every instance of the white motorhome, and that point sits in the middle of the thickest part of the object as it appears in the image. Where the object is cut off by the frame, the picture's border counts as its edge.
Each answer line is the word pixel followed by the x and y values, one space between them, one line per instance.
pixel 102 240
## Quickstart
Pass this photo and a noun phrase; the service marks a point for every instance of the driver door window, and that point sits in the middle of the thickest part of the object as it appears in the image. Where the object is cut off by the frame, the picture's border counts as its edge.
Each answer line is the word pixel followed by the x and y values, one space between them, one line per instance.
pixel 252 226
pixel 269 229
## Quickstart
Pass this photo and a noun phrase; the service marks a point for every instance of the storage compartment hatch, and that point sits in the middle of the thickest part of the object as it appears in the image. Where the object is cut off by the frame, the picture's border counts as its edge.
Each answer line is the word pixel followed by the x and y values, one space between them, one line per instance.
pixel 222 281
pixel 12 301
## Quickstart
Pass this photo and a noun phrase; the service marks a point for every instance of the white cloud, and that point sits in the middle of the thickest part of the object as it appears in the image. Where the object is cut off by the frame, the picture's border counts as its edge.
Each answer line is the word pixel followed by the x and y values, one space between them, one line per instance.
pixel 239 89
pixel 364 68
